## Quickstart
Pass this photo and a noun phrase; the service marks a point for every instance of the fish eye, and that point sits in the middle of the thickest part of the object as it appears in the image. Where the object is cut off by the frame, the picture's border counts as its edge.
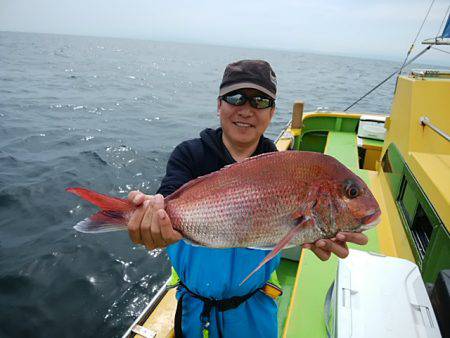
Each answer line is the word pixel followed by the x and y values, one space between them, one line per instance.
pixel 352 191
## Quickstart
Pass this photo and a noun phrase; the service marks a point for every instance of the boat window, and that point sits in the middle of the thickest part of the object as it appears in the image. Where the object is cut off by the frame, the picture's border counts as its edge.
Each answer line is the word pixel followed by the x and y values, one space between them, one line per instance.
pixel 408 200
pixel 417 223
pixel 418 215
pixel 421 230
pixel 393 165
pixel 386 163
pixel 361 157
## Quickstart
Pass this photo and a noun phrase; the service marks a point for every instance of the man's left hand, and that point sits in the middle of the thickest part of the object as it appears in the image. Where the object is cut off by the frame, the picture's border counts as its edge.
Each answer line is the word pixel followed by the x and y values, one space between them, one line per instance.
pixel 337 245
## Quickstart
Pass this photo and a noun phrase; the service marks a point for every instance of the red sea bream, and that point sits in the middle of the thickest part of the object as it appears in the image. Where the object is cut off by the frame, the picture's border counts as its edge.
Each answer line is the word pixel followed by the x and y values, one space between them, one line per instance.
pixel 268 201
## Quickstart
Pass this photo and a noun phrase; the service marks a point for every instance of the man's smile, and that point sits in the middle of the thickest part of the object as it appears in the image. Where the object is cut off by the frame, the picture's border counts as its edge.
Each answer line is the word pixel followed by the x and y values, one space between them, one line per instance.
pixel 243 124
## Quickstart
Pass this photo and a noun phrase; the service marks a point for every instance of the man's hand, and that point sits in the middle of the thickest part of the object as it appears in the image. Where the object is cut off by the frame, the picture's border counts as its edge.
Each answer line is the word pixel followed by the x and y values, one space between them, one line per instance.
pixel 338 245
pixel 149 224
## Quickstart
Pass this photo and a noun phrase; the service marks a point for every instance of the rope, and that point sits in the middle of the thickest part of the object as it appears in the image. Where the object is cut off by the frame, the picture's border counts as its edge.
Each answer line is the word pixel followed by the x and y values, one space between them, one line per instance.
pixel 404 64
pixel 394 73
pixel 415 39
pixel 423 22
pixel 441 50
pixel 442 23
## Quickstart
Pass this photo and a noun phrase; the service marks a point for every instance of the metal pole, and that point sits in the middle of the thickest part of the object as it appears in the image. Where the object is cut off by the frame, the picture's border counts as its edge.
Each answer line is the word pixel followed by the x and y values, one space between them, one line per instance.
pixel 425 121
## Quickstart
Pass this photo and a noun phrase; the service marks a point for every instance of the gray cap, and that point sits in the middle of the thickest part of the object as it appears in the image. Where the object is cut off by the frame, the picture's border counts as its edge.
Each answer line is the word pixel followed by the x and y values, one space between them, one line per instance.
pixel 256 74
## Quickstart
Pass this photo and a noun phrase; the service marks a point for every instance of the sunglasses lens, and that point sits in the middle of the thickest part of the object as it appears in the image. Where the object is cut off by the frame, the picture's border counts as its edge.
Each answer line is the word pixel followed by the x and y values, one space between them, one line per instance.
pixel 235 99
pixel 239 99
pixel 261 102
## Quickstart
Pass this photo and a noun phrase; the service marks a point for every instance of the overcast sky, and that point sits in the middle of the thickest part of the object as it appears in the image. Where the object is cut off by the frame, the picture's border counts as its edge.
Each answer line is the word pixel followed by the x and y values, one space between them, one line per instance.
pixel 370 28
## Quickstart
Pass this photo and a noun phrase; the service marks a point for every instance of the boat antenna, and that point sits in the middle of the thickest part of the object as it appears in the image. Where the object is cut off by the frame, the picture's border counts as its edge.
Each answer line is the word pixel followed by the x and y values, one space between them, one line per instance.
pixel 405 63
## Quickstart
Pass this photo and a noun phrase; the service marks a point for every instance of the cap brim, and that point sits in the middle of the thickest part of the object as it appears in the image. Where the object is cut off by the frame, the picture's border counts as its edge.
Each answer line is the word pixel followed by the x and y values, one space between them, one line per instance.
pixel 236 86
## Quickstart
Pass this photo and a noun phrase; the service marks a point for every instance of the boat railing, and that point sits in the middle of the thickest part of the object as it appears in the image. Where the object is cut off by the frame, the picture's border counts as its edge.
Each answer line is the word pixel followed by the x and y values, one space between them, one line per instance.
pixel 295 124
pixel 137 327
pixel 283 131
pixel 425 121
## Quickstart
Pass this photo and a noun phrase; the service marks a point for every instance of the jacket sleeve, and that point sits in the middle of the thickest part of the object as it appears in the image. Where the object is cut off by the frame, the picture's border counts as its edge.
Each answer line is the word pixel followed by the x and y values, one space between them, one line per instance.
pixel 179 170
pixel 270 146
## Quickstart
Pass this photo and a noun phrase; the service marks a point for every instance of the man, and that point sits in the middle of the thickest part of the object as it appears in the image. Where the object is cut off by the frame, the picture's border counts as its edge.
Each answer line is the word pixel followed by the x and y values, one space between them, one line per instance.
pixel 246 105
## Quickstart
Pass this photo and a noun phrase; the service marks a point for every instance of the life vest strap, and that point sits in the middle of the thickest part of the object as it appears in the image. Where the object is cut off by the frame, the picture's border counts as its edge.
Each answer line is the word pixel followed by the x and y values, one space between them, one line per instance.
pixel 272 288
pixel 208 304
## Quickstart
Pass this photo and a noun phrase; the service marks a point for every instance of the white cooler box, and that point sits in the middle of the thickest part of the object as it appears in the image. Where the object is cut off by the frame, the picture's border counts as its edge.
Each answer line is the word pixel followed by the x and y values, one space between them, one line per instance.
pixel 378 296
pixel 372 126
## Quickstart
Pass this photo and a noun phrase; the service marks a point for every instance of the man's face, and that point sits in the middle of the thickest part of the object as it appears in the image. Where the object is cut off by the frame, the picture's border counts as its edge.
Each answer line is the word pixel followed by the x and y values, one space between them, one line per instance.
pixel 244 125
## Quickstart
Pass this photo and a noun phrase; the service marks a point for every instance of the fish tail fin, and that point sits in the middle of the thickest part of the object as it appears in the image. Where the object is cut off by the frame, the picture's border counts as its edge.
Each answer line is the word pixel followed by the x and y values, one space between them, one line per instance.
pixel 284 241
pixel 103 221
pixel 104 202
pixel 112 217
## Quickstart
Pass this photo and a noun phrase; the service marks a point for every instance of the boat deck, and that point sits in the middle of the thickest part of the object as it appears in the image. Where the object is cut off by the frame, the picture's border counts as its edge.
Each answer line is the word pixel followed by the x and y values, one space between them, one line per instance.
pixel 306 314
pixel 286 272
pixel 338 145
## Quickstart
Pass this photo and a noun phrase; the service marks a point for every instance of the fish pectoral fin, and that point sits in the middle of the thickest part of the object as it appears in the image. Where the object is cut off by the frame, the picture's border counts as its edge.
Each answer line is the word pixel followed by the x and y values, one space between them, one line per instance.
pixel 266 248
pixel 306 208
pixel 281 244
pixel 297 214
pixel 269 248
pixel 303 219
pixel 191 242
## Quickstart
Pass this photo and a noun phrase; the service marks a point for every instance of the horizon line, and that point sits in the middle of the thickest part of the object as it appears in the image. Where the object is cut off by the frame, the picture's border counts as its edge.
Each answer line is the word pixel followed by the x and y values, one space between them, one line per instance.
pixel 372 57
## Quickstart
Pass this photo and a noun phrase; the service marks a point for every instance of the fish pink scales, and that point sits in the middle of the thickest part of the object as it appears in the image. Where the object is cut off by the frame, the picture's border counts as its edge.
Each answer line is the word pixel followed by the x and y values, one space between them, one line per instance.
pixel 250 202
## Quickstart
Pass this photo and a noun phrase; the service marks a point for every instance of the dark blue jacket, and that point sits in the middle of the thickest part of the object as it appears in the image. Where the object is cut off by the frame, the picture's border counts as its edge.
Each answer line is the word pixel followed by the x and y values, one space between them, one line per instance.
pixel 216 273
pixel 201 156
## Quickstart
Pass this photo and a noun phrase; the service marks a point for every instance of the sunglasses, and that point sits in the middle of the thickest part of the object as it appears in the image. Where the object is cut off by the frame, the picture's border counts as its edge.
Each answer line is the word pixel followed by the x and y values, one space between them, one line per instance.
pixel 256 101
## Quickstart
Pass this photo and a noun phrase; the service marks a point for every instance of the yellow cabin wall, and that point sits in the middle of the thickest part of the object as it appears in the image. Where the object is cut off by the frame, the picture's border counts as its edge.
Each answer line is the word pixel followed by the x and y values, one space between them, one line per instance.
pixel 414 99
pixel 425 152
pixel 432 99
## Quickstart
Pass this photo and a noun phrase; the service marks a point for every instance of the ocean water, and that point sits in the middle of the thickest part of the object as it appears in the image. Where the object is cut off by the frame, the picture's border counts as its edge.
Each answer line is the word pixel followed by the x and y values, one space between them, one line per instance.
pixel 105 114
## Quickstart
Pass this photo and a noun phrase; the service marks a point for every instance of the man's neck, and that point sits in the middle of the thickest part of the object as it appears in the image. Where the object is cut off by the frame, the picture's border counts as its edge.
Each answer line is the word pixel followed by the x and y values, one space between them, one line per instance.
pixel 239 152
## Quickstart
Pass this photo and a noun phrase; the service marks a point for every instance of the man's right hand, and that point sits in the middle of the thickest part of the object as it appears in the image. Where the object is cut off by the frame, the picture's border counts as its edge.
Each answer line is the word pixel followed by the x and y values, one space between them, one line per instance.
pixel 149 224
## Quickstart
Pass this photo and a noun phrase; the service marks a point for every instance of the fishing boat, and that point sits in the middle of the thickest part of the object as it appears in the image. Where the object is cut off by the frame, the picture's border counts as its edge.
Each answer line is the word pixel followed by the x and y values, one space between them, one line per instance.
pixel 404 157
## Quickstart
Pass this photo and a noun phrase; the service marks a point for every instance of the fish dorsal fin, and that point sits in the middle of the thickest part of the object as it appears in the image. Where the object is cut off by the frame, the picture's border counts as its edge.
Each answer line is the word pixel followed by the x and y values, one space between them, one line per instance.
pixel 187 185
pixel 199 179
pixel 254 158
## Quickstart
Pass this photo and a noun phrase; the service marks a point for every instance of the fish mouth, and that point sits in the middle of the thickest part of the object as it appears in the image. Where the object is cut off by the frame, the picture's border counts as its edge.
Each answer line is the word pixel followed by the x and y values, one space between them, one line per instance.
pixel 370 221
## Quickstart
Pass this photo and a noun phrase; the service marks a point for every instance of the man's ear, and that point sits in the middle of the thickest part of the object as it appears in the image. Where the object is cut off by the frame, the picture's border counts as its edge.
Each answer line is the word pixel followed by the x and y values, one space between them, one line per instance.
pixel 272 111
pixel 219 105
